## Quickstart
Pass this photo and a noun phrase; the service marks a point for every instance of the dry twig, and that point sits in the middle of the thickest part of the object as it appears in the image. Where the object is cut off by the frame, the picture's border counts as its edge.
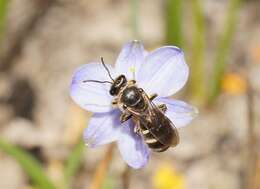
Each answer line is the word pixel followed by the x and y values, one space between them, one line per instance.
pixel 126 177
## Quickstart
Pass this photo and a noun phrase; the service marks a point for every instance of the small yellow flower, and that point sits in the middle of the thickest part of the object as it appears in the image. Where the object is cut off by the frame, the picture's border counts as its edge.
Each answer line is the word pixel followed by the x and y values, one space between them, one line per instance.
pixel 167 177
pixel 234 84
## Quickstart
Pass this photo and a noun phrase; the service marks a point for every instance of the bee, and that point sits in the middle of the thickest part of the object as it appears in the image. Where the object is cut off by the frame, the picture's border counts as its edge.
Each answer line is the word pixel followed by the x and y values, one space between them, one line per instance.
pixel 158 132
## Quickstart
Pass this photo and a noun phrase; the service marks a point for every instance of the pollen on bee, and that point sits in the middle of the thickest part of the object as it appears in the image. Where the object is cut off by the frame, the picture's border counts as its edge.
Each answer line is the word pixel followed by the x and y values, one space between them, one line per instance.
pixel 150 141
pixel 145 132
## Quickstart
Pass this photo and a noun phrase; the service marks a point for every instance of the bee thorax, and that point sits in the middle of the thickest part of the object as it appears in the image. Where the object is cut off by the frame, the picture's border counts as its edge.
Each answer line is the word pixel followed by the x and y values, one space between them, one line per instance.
pixel 132 97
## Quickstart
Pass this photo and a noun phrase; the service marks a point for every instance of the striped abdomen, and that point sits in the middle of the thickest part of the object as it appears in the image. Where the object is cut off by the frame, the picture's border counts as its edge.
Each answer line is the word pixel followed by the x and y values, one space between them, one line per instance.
pixel 153 141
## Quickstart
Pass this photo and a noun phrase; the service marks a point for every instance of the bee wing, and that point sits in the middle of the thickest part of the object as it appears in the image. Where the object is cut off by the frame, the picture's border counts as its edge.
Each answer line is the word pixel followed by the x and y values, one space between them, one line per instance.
pixel 161 127
pixel 157 124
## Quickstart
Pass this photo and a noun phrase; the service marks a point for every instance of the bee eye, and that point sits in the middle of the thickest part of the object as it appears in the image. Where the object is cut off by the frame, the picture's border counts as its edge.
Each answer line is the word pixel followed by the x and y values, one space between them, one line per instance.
pixel 112 91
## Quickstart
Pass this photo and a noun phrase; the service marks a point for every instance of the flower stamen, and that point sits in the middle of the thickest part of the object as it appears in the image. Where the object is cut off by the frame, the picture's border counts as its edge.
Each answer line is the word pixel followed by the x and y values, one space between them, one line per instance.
pixel 132 69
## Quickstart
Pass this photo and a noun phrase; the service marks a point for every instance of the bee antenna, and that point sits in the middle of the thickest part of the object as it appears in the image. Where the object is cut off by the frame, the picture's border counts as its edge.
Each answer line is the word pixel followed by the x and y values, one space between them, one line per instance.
pixel 102 62
pixel 96 81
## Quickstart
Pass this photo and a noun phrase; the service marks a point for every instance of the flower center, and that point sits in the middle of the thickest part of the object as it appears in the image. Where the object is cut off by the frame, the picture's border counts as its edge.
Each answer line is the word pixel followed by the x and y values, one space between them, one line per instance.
pixel 132 69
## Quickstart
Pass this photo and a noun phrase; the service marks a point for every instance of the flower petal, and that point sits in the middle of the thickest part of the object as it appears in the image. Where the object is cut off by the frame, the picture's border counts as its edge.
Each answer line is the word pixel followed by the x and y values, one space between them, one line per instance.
pixel 164 71
pixel 179 112
pixel 103 128
pixel 130 59
pixel 92 96
pixel 132 147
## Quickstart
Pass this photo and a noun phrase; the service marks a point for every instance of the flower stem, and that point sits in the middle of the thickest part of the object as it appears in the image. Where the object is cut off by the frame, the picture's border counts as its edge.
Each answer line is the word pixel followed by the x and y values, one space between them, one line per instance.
pixel 30 165
pixel 73 163
pixel 224 49
pixel 3 13
pixel 102 168
pixel 126 177
pixel 174 22
pixel 197 85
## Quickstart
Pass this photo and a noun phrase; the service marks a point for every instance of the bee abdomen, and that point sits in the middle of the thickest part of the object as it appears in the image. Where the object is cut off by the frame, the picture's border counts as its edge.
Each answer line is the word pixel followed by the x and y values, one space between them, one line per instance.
pixel 152 142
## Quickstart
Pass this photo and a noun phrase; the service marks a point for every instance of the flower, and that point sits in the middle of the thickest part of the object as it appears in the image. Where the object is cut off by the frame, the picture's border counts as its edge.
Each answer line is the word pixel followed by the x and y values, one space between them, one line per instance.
pixel 162 71
pixel 234 84
pixel 167 177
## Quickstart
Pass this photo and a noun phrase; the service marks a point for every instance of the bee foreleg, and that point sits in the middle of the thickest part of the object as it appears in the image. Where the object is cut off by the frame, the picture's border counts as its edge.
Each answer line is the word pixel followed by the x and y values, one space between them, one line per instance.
pixel 153 96
pixel 132 82
pixel 162 107
pixel 137 129
pixel 124 117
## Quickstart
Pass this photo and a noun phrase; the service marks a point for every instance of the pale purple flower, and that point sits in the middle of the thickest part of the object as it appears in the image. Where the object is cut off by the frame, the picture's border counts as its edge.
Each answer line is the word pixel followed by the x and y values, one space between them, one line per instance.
pixel 162 71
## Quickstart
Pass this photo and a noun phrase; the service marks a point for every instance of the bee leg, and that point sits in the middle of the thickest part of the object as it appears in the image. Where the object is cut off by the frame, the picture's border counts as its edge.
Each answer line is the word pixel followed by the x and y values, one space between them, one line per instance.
pixel 132 81
pixel 137 129
pixel 124 117
pixel 162 107
pixel 153 96
pixel 114 102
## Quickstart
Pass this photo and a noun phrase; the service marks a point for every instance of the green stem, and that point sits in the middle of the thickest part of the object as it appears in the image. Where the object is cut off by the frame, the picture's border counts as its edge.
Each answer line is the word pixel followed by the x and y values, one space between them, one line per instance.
pixel 134 18
pixel 223 49
pixel 30 165
pixel 174 22
pixel 3 12
pixel 73 163
pixel 197 84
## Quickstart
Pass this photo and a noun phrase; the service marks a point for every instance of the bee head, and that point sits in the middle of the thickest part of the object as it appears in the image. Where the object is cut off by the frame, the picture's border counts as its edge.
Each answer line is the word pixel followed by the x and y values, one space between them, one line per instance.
pixel 118 83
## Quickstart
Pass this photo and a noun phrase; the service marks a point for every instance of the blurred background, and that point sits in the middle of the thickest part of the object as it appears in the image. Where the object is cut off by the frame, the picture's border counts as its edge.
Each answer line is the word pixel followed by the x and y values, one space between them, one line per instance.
pixel 42 42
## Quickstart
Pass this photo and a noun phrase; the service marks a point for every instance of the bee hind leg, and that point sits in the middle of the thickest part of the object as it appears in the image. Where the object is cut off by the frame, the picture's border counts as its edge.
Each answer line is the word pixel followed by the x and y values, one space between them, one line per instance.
pixel 162 107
